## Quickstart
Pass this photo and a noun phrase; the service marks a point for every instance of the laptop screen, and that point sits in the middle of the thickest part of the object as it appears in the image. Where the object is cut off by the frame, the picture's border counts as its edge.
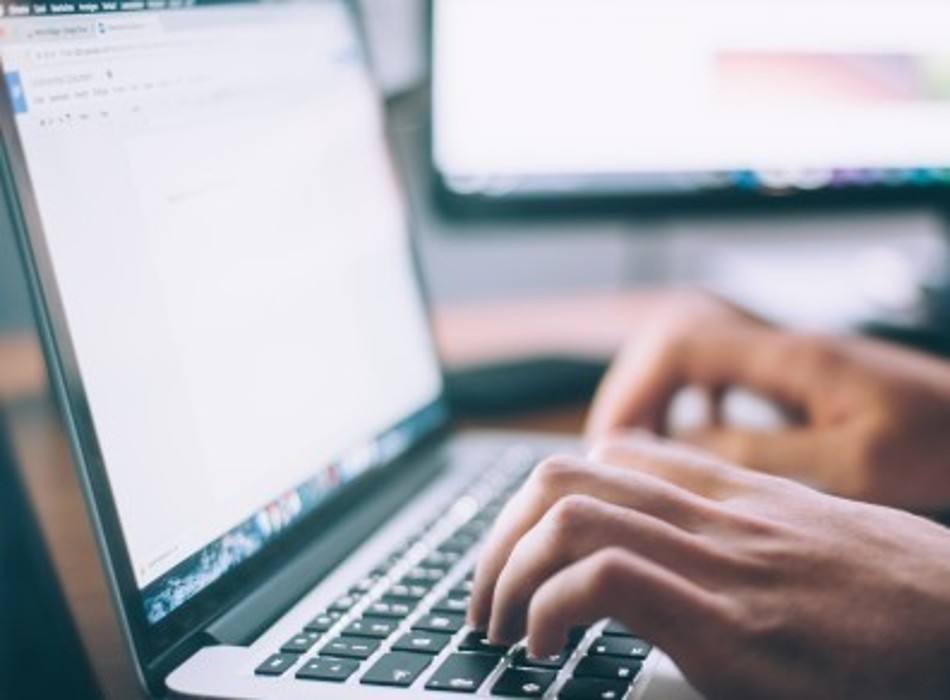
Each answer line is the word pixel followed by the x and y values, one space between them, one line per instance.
pixel 230 251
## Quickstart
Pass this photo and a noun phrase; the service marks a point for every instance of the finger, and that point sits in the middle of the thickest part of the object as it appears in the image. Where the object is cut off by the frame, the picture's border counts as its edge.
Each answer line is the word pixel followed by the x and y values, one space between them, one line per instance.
pixel 799 453
pixel 685 466
pixel 636 391
pixel 646 378
pixel 573 529
pixel 658 603
pixel 559 477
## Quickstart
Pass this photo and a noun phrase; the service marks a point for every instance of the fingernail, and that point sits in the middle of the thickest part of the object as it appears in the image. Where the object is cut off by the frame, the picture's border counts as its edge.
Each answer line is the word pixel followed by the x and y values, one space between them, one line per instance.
pixel 537 650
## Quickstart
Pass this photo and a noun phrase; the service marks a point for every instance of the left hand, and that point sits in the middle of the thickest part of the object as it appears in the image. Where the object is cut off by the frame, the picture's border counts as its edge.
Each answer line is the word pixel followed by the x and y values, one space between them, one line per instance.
pixel 756 586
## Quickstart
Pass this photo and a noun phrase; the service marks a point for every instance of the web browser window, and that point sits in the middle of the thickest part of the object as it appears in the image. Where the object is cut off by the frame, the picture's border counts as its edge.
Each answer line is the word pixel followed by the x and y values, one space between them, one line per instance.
pixel 231 250
pixel 818 92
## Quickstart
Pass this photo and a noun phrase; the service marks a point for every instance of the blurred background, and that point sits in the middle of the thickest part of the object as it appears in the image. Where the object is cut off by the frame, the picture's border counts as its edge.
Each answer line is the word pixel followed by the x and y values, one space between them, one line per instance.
pixel 800 213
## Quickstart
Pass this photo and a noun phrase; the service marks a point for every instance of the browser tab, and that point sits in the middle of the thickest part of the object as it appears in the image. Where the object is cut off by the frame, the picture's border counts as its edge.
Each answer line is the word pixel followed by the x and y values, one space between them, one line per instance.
pixel 127 26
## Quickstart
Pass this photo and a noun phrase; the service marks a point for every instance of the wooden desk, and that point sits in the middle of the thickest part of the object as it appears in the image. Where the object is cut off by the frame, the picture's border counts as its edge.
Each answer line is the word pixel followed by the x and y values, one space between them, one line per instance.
pixel 472 334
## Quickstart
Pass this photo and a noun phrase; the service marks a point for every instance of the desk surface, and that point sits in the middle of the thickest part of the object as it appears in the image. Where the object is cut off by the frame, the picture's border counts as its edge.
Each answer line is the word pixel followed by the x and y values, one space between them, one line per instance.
pixel 470 335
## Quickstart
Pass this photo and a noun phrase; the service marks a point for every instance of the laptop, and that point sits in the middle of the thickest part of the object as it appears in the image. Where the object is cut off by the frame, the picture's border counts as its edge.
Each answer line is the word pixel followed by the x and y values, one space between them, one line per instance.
pixel 35 626
pixel 218 248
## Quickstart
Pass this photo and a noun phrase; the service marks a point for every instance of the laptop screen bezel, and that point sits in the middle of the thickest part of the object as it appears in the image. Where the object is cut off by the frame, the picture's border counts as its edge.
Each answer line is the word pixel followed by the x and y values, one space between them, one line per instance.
pixel 159 647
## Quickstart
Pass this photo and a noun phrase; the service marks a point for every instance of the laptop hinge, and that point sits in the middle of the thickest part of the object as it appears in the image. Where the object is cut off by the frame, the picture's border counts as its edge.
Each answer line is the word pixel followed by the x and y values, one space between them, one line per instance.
pixel 249 618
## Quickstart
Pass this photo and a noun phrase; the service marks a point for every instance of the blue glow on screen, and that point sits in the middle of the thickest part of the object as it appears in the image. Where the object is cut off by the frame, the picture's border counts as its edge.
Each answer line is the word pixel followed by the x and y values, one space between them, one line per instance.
pixel 211 563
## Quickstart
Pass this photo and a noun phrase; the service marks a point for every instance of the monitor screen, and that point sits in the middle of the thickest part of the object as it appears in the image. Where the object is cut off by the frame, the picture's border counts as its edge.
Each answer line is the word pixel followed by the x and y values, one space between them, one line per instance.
pixel 229 245
pixel 689 97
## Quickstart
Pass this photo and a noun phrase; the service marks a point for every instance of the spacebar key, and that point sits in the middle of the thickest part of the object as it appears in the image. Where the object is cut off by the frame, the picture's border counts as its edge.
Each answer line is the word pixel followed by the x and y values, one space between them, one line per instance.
pixel 463 673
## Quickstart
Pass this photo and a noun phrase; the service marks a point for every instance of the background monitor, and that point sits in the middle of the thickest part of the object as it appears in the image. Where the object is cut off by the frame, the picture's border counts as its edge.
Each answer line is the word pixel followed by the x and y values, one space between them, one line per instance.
pixel 690 101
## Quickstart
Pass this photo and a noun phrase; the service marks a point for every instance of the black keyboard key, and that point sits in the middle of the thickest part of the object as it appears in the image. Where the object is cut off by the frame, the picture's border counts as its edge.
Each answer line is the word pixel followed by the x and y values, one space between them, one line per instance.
pixel 396 669
pixel 422 642
pixel 441 560
pixel 440 622
pixel 276 665
pixel 463 673
pixel 452 604
pixel 576 635
pixel 493 509
pixel 350 648
pixel 398 554
pixel 523 683
pixel 419 576
pixel 607 667
pixel 366 584
pixel 374 627
pixel 323 622
pixel 620 646
pixel 593 689
pixel 463 588
pixel 404 592
pixel 458 544
pixel 320 669
pixel 474 529
pixel 615 629
pixel 300 643
pixel 391 608
pixel 344 603
pixel 478 641
pixel 551 662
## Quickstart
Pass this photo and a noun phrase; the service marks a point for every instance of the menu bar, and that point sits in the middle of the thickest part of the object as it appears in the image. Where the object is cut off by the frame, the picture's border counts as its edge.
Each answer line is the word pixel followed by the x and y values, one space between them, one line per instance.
pixel 18 8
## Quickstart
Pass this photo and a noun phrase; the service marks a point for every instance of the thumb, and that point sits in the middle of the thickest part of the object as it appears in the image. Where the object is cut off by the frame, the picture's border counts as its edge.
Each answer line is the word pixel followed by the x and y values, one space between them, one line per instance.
pixel 799 453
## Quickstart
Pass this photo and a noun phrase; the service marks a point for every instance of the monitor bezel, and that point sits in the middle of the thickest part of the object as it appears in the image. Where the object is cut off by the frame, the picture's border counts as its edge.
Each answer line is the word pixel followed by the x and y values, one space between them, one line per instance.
pixel 159 648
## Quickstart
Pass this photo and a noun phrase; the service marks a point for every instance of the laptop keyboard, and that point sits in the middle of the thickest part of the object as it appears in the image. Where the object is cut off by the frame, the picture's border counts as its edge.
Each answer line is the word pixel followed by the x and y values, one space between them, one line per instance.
pixel 406 618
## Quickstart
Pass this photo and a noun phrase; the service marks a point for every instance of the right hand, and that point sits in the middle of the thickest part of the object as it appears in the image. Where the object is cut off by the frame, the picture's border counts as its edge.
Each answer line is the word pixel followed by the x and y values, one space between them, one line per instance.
pixel 873 419
pixel 757 587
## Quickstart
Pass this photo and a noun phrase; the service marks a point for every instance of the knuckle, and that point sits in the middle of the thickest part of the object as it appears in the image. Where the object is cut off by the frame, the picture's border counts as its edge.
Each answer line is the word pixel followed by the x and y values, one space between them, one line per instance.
pixel 761 625
pixel 553 473
pixel 606 571
pixel 607 449
pixel 687 306
pixel 813 350
pixel 670 336
pixel 692 301
pixel 754 527
pixel 522 551
pixel 569 514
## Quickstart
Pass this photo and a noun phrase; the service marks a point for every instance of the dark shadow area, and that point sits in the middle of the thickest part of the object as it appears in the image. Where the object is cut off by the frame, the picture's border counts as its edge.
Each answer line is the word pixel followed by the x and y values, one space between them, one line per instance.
pixel 40 652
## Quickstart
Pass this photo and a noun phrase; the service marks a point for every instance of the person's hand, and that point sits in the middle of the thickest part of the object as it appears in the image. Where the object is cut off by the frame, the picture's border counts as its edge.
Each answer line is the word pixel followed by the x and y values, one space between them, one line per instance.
pixel 870 420
pixel 757 587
